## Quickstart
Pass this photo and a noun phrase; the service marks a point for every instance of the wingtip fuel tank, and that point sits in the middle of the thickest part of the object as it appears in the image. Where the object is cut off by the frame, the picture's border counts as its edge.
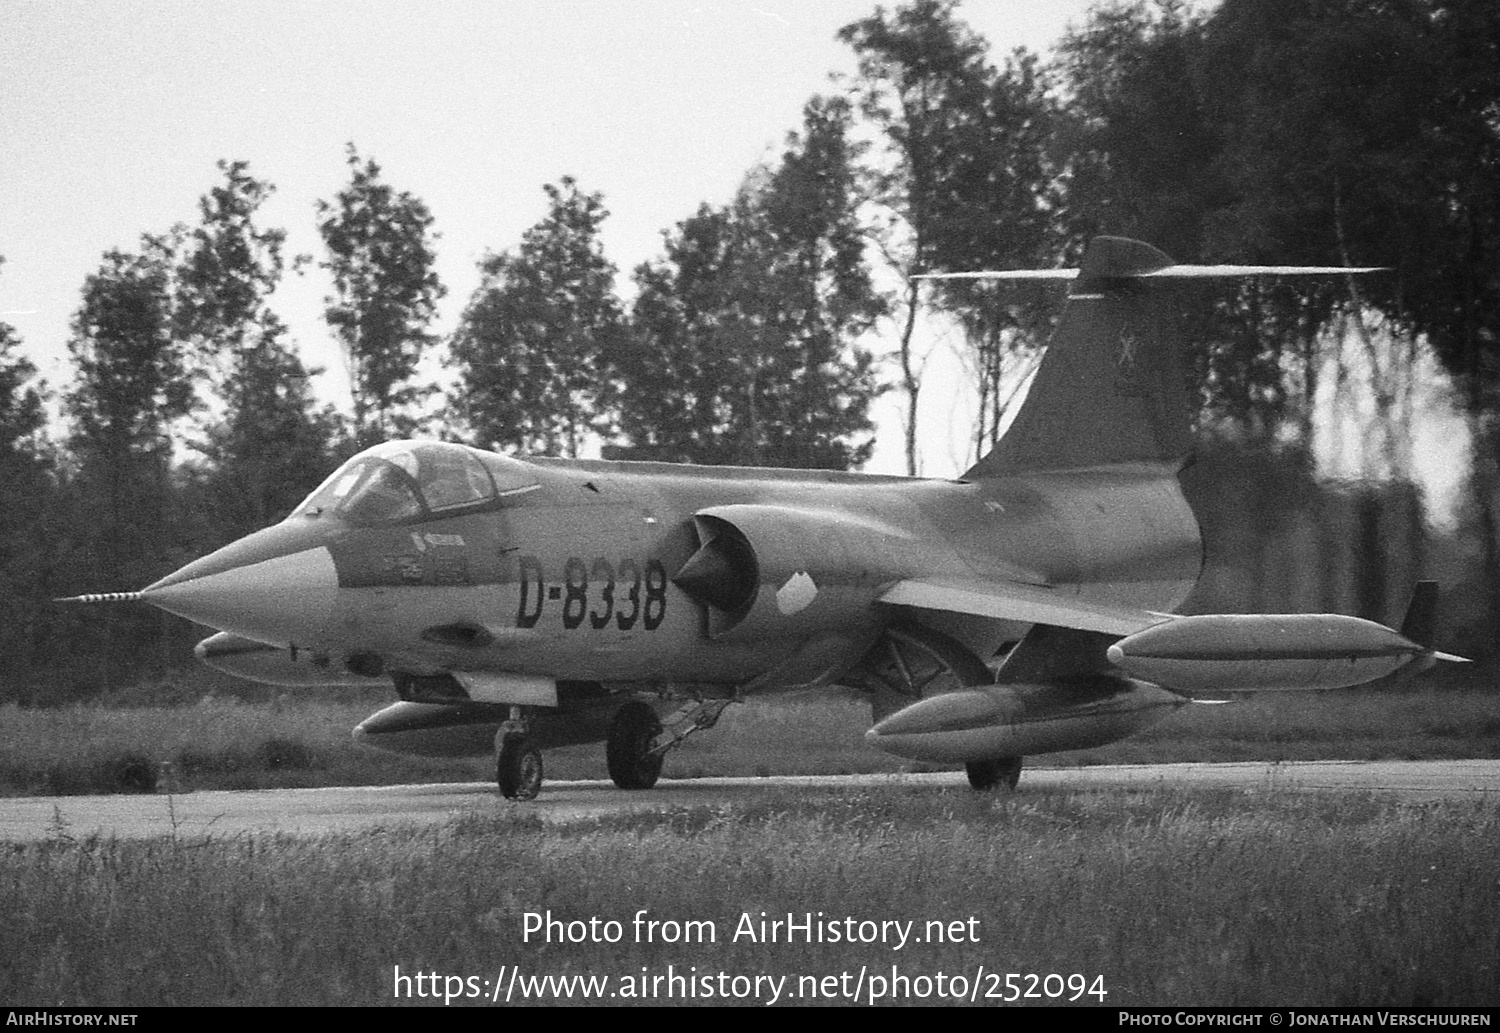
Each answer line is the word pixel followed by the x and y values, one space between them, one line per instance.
pixel 1266 652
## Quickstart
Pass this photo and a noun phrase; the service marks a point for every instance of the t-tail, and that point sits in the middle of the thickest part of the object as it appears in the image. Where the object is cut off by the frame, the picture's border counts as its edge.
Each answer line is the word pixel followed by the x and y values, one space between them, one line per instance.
pixel 1112 389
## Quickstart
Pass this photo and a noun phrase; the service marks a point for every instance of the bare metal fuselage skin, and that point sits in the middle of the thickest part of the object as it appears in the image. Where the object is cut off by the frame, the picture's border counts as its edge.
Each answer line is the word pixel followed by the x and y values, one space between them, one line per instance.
pixel 576 578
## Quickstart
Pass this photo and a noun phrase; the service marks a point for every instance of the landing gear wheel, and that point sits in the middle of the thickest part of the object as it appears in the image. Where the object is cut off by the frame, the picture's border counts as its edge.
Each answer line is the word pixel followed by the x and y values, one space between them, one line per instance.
pixel 518 768
pixel 627 750
pixel 992 774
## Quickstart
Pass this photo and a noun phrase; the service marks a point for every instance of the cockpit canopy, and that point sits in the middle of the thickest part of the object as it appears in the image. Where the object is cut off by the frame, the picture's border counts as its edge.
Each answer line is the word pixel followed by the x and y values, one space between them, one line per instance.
pixel 405 481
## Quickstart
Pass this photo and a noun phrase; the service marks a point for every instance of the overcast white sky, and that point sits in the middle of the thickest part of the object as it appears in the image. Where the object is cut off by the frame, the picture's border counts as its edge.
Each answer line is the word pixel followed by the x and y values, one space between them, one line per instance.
pixel 113 114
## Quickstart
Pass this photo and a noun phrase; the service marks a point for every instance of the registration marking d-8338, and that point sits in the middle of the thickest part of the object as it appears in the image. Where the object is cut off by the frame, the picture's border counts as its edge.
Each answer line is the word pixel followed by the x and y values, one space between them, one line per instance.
pixel 595 593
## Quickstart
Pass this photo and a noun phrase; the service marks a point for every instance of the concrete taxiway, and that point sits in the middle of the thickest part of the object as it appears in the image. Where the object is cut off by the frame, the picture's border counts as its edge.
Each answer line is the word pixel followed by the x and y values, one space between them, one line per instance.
pixel 367 808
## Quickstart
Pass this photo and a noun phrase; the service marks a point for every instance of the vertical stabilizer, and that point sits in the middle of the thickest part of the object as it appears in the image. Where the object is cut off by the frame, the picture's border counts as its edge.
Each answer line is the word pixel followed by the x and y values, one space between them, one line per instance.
pixel 1111 388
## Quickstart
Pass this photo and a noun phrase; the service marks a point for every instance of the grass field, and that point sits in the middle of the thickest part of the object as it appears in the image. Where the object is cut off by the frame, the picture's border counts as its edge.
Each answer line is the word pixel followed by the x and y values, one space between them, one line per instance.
pixel 1155 898
pixel 303 740
pixel 1201 897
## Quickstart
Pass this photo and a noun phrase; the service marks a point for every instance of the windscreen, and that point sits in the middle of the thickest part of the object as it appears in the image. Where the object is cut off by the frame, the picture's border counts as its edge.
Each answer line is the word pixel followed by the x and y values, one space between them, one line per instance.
pixel 402 481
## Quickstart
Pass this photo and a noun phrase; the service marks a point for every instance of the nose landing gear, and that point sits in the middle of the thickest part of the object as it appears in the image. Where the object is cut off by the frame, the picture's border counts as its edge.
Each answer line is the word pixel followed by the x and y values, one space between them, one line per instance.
pixel 518 763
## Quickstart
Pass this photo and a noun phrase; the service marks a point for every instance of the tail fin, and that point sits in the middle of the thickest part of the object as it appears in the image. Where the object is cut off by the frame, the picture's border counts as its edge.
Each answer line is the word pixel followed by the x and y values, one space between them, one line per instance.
pixel 1112 388
pixel 1420 624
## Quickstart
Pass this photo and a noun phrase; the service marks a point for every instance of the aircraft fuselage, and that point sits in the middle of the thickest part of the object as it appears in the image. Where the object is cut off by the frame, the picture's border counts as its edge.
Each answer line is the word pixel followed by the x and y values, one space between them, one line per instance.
pixel 581 570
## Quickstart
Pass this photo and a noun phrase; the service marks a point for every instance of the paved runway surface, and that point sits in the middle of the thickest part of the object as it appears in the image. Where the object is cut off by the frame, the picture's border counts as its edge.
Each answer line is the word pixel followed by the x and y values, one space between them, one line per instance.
pixel 313 811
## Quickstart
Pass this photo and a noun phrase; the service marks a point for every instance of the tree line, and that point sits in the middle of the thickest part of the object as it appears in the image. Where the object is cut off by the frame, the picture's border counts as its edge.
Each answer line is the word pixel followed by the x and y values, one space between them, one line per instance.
pixel 1277 131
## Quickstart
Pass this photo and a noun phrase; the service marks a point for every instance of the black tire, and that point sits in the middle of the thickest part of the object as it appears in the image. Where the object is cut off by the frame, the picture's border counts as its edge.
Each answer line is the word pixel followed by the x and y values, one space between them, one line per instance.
pixel 134 773
pixel 993 774
pixel 631 733
pixel 518 768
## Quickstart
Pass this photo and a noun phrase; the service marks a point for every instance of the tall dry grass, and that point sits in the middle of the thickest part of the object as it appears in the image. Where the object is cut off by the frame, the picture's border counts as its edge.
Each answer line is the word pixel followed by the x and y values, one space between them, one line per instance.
pixel 1173 897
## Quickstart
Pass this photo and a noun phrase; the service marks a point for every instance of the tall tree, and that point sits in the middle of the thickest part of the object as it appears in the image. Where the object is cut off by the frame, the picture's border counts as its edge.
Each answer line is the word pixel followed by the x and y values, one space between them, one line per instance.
pixel 1457 303
pixel 21 413
pixel 273 444
pixel 743 348
pixel 132 385
pixel 922 83
pixel 1349 132
pixel 1144 142
pixel 1140 149
pixel 27 506
pixel 380 252
pixel 687 353
pixel 1317 154
pixel 536 344
pixel 269 447
pixel 1005 202
pixel 228 266
pixel 816 383
pixel 1366 133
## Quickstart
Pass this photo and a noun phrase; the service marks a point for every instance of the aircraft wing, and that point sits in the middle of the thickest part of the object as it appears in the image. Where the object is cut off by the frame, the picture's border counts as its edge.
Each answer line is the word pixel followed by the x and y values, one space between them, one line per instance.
pixel 1030 604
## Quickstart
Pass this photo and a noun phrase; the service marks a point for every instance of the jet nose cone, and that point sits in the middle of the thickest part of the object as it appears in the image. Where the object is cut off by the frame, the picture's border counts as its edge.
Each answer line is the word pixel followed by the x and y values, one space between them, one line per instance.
pixel 278 586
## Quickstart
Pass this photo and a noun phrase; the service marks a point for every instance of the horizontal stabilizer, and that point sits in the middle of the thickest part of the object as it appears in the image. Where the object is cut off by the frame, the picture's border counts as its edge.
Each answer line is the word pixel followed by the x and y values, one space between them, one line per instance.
pixel 1118 258
pixel 1028 604
pixel 1171 272
pixel 1004 274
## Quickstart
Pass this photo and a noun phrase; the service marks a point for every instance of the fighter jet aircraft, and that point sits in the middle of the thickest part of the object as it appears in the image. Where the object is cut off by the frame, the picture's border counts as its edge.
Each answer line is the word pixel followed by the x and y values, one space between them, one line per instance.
pixel 1022 608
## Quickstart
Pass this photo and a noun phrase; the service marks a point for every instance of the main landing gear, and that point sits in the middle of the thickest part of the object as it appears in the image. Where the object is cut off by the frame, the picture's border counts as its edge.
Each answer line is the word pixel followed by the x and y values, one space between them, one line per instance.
pixel 518 763
pixel 992 774
pixel 912 663
pixel 629 752
pixel 639 740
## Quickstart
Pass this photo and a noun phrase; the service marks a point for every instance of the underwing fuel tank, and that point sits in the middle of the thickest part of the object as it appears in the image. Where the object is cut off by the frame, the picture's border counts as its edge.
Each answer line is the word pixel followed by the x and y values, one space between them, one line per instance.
pixel 1016 720
pixel 468 729
pixel 1264 652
